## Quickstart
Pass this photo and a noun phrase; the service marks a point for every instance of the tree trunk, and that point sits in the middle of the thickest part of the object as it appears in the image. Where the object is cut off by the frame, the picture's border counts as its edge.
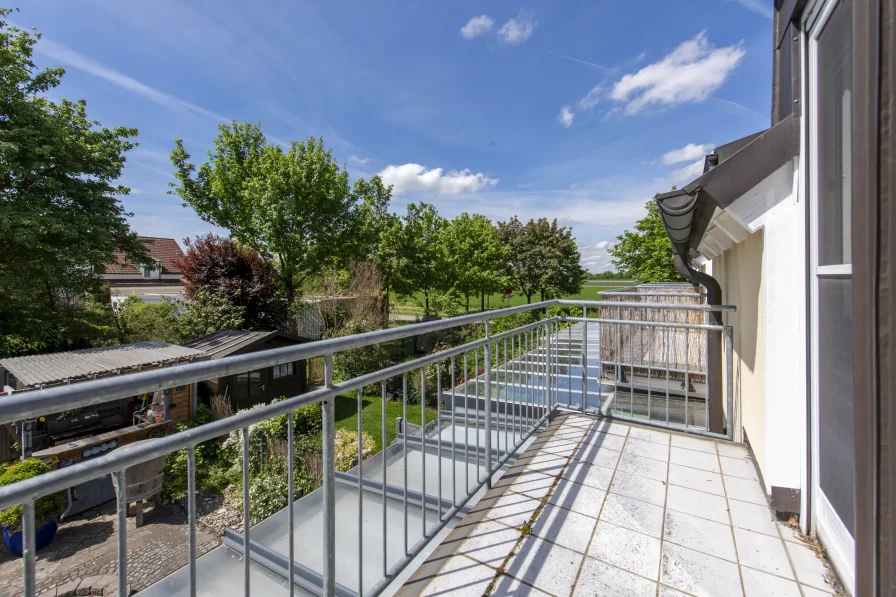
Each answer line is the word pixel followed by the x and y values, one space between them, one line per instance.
pixel 482 302
pixel 528 298
pixel 426 296
pixel 467 297
pixel 290 289
pixel 542 295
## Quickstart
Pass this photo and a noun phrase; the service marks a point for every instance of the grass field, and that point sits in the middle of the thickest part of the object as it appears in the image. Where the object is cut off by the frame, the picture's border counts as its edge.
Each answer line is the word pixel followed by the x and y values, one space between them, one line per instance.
pixel 371 416
pixel 411 305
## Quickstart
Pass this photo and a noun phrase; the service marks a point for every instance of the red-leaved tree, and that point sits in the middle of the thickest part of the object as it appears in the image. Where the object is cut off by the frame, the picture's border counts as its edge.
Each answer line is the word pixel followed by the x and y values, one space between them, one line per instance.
pixel 220 266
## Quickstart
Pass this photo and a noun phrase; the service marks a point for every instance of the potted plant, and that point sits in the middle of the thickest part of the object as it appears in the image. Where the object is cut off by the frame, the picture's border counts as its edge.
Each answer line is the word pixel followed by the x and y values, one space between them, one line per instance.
pixel 46 510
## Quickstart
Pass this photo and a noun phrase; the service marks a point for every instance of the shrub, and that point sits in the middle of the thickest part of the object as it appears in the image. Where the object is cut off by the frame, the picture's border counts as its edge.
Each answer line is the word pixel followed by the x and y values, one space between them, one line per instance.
pixel 347 448
pixel 268 494
pixel 45 509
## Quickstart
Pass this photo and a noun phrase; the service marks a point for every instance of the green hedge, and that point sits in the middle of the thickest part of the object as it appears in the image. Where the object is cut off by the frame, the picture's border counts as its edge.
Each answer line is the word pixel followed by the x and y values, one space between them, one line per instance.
pixel 45 509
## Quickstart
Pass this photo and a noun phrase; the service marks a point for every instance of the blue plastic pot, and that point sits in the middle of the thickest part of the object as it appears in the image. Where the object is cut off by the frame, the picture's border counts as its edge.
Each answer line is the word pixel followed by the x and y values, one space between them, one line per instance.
pixel 43 536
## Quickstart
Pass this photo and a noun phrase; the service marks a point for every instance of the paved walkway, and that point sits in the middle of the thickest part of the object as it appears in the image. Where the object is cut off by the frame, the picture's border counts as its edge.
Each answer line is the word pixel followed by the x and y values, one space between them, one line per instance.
pixel 600 508
pixel 82 559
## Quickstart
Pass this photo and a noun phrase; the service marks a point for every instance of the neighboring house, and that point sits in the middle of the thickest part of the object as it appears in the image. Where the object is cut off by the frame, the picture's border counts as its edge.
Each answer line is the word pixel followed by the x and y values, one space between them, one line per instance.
pixel 255 387
pixel 150 284
pixel 789 222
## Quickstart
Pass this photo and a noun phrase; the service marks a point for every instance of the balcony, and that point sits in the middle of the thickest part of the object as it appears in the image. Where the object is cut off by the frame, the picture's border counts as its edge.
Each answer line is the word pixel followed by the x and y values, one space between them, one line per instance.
pixel 569 454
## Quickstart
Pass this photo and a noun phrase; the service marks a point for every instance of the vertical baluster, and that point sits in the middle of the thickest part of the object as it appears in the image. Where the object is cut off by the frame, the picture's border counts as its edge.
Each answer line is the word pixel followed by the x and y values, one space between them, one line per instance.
pixel 476 383
pixel 404 441
pixel 649 373
pixel 383 458
pixel 360 501
pixel 585 359
pixel 568 361
pixel 453 436
pixel 329 483
pixel 618 372
pixel 487 357
pixel 687 381
pixel 466 424
pixel 631 367
pixel 246 521
pixel 439 428
pixel 290 499
pixel 191 516
pixel 29 549
pixel 121 492
pixel 423 448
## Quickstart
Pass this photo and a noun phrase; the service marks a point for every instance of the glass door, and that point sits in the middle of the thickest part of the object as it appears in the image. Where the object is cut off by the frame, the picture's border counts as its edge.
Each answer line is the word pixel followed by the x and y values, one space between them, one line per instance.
pixel 830 122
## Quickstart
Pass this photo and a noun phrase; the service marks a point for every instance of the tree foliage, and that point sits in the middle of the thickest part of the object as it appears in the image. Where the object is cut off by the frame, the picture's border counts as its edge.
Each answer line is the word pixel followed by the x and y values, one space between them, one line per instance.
pixel 473 255
pixel 60 217
pixel 220 266
pixel 645 254
pixel 543 258
pixel 293 206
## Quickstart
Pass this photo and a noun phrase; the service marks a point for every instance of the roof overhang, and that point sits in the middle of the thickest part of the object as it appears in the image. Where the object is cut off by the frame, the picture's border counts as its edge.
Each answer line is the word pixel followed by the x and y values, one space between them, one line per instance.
pixel 728 174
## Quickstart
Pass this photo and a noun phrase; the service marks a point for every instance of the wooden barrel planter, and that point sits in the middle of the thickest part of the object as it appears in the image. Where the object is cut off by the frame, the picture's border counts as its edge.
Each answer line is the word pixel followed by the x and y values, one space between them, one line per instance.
pixel 143 481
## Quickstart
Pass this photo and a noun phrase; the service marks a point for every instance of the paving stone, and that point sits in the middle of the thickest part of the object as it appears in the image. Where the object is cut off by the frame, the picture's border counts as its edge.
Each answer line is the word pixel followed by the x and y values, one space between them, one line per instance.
pixel 699 574
pixel 598 578
pixel 69 588
pixel 626 549
pixel 545 566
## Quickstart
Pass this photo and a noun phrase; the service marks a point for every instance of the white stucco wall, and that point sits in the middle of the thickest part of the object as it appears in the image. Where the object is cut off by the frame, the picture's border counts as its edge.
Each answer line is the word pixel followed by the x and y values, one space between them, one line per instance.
pixel 765 277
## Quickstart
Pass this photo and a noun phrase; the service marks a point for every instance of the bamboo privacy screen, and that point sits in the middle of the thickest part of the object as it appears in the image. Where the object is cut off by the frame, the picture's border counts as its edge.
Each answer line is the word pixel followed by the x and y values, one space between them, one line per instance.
pixel 673 349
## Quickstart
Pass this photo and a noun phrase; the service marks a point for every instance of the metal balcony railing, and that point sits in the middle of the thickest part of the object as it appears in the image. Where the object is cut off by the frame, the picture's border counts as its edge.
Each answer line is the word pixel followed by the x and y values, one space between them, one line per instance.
pixel 484 417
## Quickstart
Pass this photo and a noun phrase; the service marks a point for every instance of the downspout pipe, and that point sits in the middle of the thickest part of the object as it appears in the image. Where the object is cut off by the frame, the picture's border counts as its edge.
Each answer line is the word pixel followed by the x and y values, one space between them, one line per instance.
pixel 714 382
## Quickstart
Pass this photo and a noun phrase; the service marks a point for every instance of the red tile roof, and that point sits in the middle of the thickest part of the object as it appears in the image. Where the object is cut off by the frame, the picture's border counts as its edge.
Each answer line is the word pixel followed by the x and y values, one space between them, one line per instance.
pixel 165 250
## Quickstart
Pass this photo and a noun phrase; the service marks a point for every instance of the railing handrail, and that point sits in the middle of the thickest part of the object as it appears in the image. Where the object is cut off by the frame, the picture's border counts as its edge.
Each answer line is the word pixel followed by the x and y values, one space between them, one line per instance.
pixel 35 403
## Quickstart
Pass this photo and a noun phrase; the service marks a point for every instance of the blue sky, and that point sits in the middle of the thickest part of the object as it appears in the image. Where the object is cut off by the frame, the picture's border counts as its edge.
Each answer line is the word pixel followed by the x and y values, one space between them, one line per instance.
pixel 577 111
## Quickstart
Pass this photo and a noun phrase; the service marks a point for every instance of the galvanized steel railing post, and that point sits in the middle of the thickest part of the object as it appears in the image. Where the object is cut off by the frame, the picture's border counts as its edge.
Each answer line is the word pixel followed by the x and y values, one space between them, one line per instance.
pixel 329 484
pixel 488 407
pixel 585 360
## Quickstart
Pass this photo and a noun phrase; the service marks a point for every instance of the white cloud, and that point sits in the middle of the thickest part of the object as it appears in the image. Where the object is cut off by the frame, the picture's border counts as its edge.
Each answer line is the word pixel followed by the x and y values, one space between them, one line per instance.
pixel 591 98
pixel 605 245
pixel 566 116
pixel 686 174
pixel 356 160
pixel 409 178
pixel 690 73
pixel 477 26
pixel 760 7
pixel 72 59
pixel 691 151
pixel 519 29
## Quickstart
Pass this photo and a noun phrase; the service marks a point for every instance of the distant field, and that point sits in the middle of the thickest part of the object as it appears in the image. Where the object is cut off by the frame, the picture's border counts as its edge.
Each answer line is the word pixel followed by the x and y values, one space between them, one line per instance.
pixel 410 305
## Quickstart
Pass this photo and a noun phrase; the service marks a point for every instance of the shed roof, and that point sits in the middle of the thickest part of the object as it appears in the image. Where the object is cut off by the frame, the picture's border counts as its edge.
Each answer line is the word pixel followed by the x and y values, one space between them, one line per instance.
pixel 78 364
pixel 226 342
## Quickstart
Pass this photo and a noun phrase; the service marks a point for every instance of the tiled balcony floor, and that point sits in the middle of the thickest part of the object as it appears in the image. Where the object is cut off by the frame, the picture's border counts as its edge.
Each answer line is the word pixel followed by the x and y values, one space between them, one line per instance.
pixel 600 508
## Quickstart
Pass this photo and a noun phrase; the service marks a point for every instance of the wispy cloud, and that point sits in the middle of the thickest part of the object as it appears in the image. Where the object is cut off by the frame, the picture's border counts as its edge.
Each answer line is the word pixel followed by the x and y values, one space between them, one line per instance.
pixel 605 244
pixel 591 98
pixel 356 160
pixel 409 178
pixel 690 73
pixel 70 58
pixel 580 61
pixel 518 29
pixel 477 26
pixel 686 174
pixel 691 151
pixel 760 7
pixel 566 116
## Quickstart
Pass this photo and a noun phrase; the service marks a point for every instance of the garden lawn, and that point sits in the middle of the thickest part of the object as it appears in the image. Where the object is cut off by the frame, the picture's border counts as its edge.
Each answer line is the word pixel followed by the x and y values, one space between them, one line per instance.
pixel 371 416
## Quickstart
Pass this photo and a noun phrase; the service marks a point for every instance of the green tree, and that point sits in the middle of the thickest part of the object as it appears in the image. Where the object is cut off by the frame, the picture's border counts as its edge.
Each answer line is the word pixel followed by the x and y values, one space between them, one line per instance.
pixel 645 254
pixel 543 258
pixel 474 256
pixel 61 219
pixel 140 321
pixel 293 206
pixel 412 246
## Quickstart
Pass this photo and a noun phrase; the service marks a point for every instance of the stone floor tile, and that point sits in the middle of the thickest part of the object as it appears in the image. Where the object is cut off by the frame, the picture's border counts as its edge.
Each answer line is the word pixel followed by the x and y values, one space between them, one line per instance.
pixel 732 450
pixel 692 443
pixel 694 459
pixel 564 527
pixel 626 549
pixel 600 456
pixel 535 485
pixel 613 428
pixel 739 467
pixel 581 498
pixel 489 543
pixel 646 449
pixel 745 490
pixel 787 532
pixel 513 509
pixel 752 517
pixel 697 503
pixel 604 440
pixel 693 478
pixel 545 566
pixel 599 579
pixel 809 569
pixel 813 592
pixel 548 464
pixel 633 514
pixel 762 552
pixel 639 488
pixel 643 467
pixel 700 535
pixel 460 577
pixel 511 587
pixel 566 450
pixel 667 592
pixel 760 584
pixel 649 435
pixel 699 574
pixel 588 474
